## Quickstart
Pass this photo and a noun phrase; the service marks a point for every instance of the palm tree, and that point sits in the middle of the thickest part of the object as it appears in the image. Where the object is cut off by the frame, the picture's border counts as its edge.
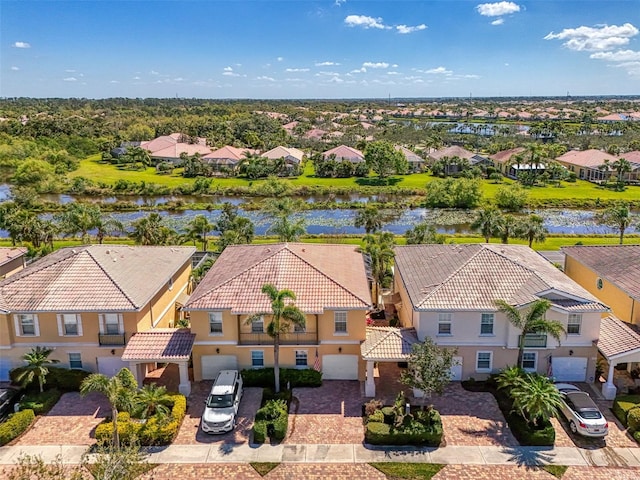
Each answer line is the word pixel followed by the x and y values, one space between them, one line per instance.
pixel 283 315
pixel 120 391
pixel 487 221
pixel 619 217
pixel 621 166
pixel 536 397
pixel 240 232
pixel 198 228
pixel 532 229
pixel 508 227
pixel 107 226
pixel 531 321
pixel 424 233
pixel 379 249
pixel 280 211
pixel 369 218
pixel 153 399
pixel 149 230
pixel 37 361
pixel 79 218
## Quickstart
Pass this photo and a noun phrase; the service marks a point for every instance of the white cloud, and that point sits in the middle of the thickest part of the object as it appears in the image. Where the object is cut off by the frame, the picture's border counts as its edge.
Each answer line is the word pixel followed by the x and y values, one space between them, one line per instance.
pixel 359 70
pixel 439 71
pixel 230 74
pixel 268 79
pixel 406 29
pixel 375 65
pixel 617 56
pixel 497 9
pixel 153 72
pixel 498 21
pixel 326 64
pixel 178 79
pixel 70 71
pixel 136 78
pixel 228 69
pixel 14 68
pixel 599 38
pixel 296 70
pixel 70 79
pixel 114 81
pixel 632 68
pixel 393 73
pixel 339 3
pixel 327 74
pixel 21 45
pixel 364 21
pixel 336 80
pixel 280 59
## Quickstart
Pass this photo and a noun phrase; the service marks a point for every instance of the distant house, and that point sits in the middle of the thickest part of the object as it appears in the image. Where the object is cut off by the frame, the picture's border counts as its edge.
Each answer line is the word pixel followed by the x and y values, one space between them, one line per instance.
pixel 587 164
pixel 12 260
pixel 226 157
pixel 474 159
pixel 169 148
pixel 503 161
pixel 292 156
pixel 343 153
pixel 416 162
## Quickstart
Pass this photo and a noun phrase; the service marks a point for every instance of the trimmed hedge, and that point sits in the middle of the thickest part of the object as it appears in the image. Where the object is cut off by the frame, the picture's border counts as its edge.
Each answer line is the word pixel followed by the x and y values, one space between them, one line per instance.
pixel 40 403
pixel 271 420
pixel 155 431
pixel 15 425
pixel 64 379
pixel 636 436
pixel 622 404
pixel 545 436
pixel 264 377
pixel 633 419
pixel 409 433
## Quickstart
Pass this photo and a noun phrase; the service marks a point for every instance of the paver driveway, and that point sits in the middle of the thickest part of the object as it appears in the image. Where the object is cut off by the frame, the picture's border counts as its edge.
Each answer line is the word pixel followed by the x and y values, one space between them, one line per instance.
pixel 331 413
pixel 72 421
pixel 190 432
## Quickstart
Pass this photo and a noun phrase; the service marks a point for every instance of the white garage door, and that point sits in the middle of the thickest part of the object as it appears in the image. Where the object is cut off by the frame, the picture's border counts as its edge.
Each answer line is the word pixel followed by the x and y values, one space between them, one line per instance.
pixel 340 367
pixel 456 370
pixel 5 366
pixel 212 364
pixel 569 369
pixel 109 366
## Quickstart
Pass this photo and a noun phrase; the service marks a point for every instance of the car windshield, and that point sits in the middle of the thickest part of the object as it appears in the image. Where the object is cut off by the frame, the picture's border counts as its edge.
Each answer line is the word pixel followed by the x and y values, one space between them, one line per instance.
pixel 590 414
pixel 220 401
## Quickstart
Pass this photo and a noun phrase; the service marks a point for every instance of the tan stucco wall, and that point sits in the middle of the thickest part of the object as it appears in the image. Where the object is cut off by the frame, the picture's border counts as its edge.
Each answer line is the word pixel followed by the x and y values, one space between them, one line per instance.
pixel 623 306
pixel 12 267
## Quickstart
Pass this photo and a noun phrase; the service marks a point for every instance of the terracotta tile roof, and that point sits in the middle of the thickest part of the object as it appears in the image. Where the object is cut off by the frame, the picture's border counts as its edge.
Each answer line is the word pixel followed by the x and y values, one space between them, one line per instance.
pixel 93 278
pixel 617 338
pixel 160 344
pixel 321 276
pixel 344 152
pixel 505 155
pixel 452 151
pixel 409 155
pixel 618 264
pixel 586 158
pixel 177 149
pixel 284 152
pixel 388 343
pixel 8 253
pixel 227 155
pixel 472 277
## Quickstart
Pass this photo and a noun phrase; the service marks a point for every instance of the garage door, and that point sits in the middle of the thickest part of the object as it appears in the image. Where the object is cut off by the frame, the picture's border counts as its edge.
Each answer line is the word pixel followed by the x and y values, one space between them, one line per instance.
pixel 5 366
pixel 456 370
pixel 212 364
pixel 109 366
pixel 340 367
pixel 569 369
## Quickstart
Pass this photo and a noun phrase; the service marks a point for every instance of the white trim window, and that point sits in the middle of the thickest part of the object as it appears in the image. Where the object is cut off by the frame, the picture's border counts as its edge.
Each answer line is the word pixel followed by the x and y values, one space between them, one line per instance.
pixel 484 362
pixel 215 323
pixel 26 325
pixel 340 322
pixel 75 360
pixel 486 323
pixel 444 323
pixel 69 325
pixel 301 358
pixel 257 358
pixel 111 323
pixel 257 326
pixel 530 361
pixel 574 324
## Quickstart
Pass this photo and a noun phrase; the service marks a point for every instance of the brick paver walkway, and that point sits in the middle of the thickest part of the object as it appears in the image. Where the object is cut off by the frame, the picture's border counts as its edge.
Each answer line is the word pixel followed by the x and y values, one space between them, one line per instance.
pixel 601 473
pixel 210 471
pixel 190 432
pixel 331 413
pixel 491 472
pixel 472 418
pixel 72 421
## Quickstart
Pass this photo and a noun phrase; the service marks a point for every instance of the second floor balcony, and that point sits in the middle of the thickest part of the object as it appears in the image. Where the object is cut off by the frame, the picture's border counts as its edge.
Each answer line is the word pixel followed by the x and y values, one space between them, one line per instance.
pixel 292 338
pixel 534 340
pixel 112 339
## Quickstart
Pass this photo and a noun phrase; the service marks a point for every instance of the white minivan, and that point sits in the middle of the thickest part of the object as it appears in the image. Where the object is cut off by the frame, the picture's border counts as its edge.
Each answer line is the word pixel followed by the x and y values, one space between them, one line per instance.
pixel 222 404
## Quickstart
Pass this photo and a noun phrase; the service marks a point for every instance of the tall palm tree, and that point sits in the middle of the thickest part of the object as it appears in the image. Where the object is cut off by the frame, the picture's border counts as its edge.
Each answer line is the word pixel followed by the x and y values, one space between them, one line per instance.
pixel 37 361
pixel 508 228
pixel 531 321
pixel 198 228
pixel 107 226
pixel 79 218
pixel 120 391
pixel 150 230
pixel 153 399
pixel 283 315
pixel 536 397
pixel 379 249
pixel 621 166
pixel 487 221
pixel 369 218
pixel 281 212
pixel 619 217
pixel 532 229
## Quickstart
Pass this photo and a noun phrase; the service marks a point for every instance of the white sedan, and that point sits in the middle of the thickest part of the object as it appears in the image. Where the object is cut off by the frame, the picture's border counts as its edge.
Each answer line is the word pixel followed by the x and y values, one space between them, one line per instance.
pixel 581 412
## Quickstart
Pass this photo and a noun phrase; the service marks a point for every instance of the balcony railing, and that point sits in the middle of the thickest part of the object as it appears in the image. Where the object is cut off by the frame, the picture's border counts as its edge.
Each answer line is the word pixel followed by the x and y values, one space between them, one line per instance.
pixel 109 339
pixel 293 338
pixel 534 340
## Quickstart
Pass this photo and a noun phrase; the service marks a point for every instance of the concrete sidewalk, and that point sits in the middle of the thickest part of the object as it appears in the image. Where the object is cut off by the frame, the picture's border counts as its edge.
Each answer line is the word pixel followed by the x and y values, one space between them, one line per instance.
pixel 357 453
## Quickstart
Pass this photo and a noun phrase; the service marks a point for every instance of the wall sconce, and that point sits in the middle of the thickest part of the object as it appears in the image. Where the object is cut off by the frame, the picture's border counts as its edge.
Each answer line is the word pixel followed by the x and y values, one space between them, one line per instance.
pixel 570 353
pixel 339 349
pixel 113 351
pixel 217 350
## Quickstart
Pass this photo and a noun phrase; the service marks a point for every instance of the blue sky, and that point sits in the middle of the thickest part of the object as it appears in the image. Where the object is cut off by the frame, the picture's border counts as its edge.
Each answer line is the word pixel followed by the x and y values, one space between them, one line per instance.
pixel 318 49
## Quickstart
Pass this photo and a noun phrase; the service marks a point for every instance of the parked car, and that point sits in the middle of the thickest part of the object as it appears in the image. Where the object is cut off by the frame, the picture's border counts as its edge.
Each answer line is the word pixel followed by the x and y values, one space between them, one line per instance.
pixel 8 398
pixel 223 402
pixel 581 412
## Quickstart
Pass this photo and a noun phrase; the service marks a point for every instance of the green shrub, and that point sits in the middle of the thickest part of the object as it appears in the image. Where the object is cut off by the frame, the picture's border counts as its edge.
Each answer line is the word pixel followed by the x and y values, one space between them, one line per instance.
pixel 622 404
pixel 269 394
pixel 376 416
pixel 271 410
pixel 636 436
pixel 280 426
pixel 527 435
pixel 264 377
pixel 410 432
pixel 64 379
pixel 259 432
pixel 271 421
pixel 377 432
pixel 389 414
pixel 633 419
pixel 15 425
pixel 40 403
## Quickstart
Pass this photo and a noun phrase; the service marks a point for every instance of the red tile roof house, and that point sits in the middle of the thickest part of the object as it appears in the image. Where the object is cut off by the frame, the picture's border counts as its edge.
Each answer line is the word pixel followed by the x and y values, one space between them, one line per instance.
pixel 226 158
pixel 503 161
pixel 416 162
pixel 586 164
pixel 292 156
pixel 457 151
pixel 332 289
pixel 448 293
pixel 168 148
pixel 92 303
pixel 344 152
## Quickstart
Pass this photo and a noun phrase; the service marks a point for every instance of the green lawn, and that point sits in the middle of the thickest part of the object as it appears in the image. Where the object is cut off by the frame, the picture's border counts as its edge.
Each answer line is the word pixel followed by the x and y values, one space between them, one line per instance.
pixel 408 471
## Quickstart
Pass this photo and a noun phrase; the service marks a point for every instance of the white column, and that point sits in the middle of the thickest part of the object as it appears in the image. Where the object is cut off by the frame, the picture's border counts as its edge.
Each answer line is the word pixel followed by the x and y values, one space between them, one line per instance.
pixel 370 384
pixel 609 389
pixel 185 385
